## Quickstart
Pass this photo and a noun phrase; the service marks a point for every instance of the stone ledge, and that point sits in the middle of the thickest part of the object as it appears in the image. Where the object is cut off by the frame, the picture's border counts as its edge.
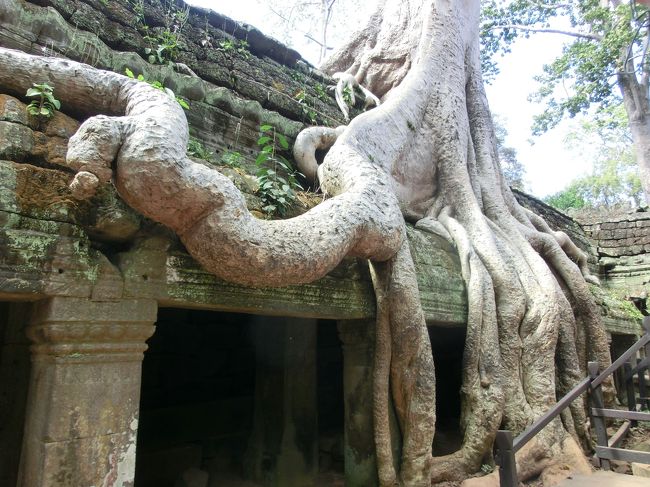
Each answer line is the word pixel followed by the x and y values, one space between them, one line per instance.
pixel 44 258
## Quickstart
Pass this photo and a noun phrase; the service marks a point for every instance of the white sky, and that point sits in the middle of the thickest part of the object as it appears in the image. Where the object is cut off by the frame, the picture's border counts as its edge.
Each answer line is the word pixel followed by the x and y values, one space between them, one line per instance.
pixel 549 166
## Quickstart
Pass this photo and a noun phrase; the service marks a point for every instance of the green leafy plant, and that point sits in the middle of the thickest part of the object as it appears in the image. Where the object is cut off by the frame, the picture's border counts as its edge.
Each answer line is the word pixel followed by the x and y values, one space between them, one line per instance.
pixel 138 10
pixel 296 76
pixel 321 92
pixel 159 86
pixel 276 190
pixel 348 96
pixel 231 158
pixel 166 48
pixel 235 46
pixel 43 104
pixel 164 42
pixel 196 149
pixel 307 107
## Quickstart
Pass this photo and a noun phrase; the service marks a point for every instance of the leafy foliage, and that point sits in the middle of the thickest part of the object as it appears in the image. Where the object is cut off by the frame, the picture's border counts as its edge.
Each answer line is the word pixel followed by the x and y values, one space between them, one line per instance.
pixel 276 190
pixel 570 197
pixel 164 42
pixel 164 49
pixel 348 95
pixel 235 46
pixel 321 92
pixel 307 106
pixel 196 149
pixel 43 104
pixel 159 86
pixel 614 179
pixel 602 42
pixel 231 159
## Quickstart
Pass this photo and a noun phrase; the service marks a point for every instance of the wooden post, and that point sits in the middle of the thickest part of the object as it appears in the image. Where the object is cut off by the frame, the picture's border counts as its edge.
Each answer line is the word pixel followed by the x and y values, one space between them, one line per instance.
pixel 646 329
pixel 643 387
pixel 597 401
pixel 506 460
pixel 629 388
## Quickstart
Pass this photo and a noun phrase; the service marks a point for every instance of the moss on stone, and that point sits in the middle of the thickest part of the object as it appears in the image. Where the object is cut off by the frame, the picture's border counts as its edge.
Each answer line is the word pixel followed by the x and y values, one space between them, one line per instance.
pixel 41 190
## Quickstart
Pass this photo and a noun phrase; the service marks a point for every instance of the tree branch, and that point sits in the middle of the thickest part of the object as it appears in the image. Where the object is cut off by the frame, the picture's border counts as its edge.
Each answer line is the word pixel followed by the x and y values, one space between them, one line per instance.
pixel 309 36
pixel 583 35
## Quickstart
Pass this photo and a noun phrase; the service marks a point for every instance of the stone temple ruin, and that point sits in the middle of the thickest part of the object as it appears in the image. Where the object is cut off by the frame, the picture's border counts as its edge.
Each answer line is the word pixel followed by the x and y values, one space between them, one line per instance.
pixel 268 386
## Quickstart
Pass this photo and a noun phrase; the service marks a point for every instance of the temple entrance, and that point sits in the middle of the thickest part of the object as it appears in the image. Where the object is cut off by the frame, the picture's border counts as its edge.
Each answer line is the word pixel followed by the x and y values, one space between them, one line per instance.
pixel 15 366
pixel 330 404
pixel 237 399
pixel 447 345
pixel 618 346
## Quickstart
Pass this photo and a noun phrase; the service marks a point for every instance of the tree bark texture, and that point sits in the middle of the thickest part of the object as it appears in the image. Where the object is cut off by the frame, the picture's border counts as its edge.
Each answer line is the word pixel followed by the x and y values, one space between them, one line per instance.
pixel 428 151
pixel 637 107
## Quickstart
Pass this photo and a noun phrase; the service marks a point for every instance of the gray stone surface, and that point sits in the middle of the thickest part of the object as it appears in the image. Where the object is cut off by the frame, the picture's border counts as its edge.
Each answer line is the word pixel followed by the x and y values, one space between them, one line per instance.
pixel 604 479
pixel 622 238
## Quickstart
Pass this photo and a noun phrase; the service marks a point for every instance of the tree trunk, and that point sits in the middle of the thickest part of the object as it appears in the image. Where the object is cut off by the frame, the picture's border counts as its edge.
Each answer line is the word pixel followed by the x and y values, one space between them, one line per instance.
pixel 429 151
pixel 637 107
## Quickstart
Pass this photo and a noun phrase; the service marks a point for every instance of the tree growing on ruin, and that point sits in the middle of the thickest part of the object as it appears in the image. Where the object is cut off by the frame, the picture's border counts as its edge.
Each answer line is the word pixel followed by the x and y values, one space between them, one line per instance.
pixel 427 152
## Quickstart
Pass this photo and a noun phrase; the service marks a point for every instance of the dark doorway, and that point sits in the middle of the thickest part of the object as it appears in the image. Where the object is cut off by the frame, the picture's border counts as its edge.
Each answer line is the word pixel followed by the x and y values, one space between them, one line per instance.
pixel 330 403
pixel 196 403
pixel 15 368
pixel 618 346
pixel 230 398
pixel 447 345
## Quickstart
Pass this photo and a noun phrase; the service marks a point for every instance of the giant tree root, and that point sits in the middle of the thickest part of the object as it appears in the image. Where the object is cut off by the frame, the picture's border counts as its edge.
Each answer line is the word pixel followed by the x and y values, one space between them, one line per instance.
pixel 143 154
pixel 428 149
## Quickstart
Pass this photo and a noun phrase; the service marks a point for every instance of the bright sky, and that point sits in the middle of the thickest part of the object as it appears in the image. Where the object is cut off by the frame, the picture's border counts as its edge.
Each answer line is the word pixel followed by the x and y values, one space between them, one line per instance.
pixel 549 166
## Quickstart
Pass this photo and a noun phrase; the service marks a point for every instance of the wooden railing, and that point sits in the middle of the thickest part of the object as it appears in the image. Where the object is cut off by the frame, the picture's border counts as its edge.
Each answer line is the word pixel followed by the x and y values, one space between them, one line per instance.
pixel 507 446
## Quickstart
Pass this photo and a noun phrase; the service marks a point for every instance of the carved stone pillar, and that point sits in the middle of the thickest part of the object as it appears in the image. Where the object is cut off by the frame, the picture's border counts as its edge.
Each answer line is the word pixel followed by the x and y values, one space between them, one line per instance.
pixel 82 408
pixel 283 446
pixel 358 339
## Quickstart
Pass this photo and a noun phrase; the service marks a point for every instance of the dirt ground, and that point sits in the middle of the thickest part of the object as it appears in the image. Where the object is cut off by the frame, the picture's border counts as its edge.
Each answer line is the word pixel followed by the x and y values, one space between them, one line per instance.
pixel 638 438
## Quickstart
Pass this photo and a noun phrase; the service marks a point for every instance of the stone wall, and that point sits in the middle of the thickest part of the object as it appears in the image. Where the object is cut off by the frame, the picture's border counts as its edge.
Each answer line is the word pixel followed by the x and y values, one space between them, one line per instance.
pixel 559 221
pixel 622 238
